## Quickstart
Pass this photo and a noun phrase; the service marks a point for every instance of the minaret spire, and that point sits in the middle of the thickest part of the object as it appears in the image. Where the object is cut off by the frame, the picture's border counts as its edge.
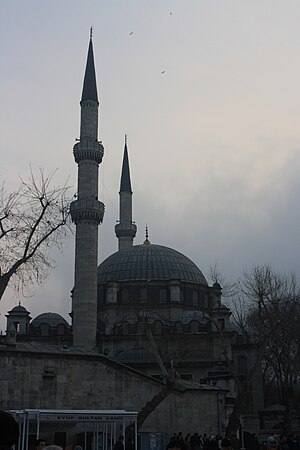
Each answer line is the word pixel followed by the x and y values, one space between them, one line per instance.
pixel 125 230
pixel 87 212
pixel 89 90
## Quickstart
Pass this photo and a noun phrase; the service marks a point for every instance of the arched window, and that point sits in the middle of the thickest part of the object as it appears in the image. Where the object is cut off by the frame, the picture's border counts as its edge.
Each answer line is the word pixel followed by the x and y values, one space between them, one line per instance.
pixel 242 366
pixel 17 326
pixel 195 299
pixel 221 323
pixel 61 329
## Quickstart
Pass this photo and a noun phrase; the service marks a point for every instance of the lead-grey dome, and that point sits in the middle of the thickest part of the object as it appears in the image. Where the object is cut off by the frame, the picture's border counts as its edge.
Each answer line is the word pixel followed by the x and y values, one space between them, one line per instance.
pixel 149 262
pixel 52 319
pixel 19 309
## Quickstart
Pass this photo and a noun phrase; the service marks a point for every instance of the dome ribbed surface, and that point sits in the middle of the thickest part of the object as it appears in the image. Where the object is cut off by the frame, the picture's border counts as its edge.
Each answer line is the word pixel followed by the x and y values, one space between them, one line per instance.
pixel 149 262
pixel 52 319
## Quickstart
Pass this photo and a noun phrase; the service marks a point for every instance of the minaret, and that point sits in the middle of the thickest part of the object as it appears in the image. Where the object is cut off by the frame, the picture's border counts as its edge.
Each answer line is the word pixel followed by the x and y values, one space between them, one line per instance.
pixel 87 212
pixel 125 230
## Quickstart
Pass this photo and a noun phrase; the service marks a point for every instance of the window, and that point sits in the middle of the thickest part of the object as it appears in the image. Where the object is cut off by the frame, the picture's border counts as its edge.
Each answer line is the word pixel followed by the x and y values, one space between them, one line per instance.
pixel 221 323
pixel 186 376
pixel 17 326
pixel 61 329
pixel 195 299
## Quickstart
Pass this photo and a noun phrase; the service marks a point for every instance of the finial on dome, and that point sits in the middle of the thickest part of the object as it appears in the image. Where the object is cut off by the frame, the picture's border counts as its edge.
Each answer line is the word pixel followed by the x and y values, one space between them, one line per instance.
pixel 91 32
pixel 146 241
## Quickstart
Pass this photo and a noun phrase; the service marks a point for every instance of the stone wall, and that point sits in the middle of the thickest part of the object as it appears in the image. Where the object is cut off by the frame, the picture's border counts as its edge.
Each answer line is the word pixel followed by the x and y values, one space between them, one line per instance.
pixel 70 381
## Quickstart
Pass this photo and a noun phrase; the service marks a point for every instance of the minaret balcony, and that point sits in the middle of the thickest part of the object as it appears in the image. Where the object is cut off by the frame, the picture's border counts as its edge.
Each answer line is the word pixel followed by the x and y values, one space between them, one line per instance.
pixel 87 210
pixel 87 149
pixel 127 229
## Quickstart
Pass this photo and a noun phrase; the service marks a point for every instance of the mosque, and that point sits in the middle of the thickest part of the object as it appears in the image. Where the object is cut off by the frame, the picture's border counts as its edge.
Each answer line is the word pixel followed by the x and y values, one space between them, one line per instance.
pixel 145 312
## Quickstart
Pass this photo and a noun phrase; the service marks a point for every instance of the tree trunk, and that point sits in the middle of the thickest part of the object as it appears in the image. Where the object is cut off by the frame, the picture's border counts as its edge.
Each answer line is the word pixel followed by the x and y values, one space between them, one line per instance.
pixel 234 421
pixel 153 403
pixel 149 407
pixel 287 413
pixel 4 280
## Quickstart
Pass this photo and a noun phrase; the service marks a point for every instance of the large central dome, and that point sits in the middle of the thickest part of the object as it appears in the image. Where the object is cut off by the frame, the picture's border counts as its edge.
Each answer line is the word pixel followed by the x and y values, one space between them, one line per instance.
pixel 149 262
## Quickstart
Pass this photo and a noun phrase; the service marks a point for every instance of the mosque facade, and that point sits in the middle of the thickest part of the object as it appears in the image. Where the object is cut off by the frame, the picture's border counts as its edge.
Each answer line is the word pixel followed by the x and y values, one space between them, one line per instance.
pixel 144 313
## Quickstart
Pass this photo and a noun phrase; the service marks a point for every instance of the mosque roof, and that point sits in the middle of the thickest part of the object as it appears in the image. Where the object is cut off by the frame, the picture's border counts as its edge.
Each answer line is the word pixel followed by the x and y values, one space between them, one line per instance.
pixel 19 309
pixel 52 319
pixel 136 355
pixel 149 262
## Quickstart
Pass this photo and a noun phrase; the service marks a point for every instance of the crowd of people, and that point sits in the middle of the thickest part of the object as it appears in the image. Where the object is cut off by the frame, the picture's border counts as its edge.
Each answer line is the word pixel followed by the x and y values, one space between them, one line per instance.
pixel 9 434
pixel 197 441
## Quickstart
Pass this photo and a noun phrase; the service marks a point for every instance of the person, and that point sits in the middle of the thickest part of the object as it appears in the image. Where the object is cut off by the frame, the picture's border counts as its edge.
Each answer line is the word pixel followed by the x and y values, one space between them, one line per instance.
pixel 119 445
pixel 187 442
pixel 195 441
pixel 177 444
pixel 40 444
pixel 129 445
pixel 226 444
pixel 9 431
pixel 272 443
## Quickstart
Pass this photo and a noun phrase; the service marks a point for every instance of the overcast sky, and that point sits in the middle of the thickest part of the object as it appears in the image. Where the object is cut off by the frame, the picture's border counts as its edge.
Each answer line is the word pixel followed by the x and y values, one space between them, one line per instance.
pixel 214 141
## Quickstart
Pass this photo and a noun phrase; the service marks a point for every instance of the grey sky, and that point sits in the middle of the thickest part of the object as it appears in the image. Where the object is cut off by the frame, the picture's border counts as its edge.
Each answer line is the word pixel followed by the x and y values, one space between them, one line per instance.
pixel 214 142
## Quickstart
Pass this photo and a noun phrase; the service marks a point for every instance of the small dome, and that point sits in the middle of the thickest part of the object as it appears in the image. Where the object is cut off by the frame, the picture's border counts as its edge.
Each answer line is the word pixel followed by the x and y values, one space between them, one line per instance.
pixel 149 262
pixel 19 309
pixel 52 319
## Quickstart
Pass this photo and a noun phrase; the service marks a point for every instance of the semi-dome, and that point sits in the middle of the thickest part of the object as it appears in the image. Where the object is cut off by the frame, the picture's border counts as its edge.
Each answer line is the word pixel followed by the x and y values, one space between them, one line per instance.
pixel 149 262
pixel 52 319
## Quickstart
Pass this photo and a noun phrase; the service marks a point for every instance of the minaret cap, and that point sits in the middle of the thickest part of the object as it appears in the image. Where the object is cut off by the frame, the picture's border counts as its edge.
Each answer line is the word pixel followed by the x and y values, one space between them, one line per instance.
pixel 89 90
pixel 125 185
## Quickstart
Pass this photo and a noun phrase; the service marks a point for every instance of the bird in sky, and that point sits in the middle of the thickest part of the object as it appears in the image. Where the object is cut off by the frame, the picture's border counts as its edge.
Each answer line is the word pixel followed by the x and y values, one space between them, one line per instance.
pixel 163 72
pixel 130 33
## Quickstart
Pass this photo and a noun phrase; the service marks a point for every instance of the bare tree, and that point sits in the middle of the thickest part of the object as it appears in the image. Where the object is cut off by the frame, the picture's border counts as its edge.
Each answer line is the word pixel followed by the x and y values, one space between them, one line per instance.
pixel 33 219
pixel 229 288
pixel 272 323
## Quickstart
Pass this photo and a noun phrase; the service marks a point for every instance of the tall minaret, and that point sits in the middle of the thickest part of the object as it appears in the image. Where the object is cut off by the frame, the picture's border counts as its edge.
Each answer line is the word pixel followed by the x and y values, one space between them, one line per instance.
pixel 87 212
pixel 125 230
